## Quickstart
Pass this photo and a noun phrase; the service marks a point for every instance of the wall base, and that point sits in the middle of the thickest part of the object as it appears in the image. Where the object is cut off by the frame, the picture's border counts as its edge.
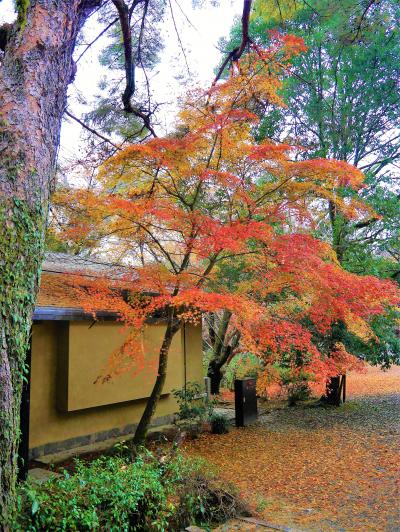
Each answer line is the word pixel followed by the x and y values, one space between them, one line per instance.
pixel 81 441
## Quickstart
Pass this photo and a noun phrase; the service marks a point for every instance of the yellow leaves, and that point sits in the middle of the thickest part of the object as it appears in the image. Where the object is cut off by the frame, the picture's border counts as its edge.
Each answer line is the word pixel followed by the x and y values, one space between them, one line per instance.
pixel 275 10
pixel 359 327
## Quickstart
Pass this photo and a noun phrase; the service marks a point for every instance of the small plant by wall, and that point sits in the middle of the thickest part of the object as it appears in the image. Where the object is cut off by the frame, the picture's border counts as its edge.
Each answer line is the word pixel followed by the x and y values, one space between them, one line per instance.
pixel 193 403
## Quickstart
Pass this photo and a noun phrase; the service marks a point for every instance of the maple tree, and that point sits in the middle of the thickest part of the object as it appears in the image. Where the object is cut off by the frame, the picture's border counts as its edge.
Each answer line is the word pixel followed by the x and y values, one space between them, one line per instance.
pixel 175 209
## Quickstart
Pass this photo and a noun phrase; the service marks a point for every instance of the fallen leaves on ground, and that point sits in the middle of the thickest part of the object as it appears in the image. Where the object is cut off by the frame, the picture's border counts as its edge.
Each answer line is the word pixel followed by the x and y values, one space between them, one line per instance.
pixel 320 468
pixel 374 382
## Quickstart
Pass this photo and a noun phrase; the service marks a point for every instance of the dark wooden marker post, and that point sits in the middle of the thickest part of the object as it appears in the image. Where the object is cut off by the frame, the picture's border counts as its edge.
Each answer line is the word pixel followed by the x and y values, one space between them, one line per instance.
pixel 245 402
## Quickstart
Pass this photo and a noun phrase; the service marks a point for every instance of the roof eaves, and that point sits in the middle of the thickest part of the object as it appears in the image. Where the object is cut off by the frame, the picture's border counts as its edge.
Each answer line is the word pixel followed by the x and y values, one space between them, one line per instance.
pixel 70 314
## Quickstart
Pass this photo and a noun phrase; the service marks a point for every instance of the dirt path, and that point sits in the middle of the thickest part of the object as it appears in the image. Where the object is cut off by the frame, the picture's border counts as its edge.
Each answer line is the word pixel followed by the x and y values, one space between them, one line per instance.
pixel 320 468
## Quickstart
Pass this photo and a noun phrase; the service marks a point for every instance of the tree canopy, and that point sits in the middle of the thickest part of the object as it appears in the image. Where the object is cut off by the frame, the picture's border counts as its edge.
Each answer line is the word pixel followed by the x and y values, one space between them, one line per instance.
pixel 174 210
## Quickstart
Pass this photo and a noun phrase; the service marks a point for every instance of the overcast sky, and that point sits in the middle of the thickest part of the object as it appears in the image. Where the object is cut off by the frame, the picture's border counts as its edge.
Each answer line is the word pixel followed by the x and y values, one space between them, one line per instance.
pixel 209 23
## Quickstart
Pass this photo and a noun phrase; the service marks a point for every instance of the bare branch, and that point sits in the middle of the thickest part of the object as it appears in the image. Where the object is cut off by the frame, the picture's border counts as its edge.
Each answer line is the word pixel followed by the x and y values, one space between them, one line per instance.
pixel 178 36
pixel 102 137
pixel 98 37
pixel 237 52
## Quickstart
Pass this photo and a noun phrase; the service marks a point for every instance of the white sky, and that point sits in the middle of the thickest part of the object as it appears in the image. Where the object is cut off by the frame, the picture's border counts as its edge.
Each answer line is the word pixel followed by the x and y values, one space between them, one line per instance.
pixel 170 80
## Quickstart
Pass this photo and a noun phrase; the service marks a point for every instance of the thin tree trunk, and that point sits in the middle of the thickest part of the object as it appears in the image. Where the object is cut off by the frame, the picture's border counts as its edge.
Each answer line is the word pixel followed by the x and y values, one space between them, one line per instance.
pixel 35 69
pixel 173 326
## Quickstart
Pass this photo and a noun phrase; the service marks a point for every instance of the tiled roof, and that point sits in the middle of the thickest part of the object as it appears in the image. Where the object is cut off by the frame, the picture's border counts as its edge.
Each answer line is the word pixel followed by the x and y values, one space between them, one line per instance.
pixel 55 292
pixel 64 263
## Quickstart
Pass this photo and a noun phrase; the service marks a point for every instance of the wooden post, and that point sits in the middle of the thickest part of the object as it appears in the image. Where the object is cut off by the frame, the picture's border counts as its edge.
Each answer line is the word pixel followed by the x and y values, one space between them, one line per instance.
pixel 23 450
pixel 344 387
pixel 207 386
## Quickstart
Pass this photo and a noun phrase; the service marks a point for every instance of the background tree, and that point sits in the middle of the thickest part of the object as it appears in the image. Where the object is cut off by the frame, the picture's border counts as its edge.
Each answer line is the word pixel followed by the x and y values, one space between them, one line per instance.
pixel 342 101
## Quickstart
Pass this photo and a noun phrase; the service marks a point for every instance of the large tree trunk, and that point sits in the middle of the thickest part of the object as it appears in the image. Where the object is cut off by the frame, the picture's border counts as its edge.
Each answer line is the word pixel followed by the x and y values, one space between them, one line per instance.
pixel 173 326
pixel 35 69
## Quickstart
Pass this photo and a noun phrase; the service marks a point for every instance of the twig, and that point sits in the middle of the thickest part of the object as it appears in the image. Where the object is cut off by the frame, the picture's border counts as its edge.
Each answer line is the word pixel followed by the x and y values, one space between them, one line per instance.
pixel 179 37
pixel 102 137
pixel 98 37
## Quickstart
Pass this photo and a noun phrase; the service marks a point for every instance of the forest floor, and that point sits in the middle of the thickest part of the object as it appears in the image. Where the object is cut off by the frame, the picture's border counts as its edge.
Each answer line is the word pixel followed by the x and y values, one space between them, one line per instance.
pixel 321 468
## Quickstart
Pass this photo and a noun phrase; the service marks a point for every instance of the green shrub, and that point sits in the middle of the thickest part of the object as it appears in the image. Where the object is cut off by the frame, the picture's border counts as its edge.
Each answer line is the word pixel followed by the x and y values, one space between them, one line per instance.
pixel 219 423
pixel 241 366
pixel 295 384
pixel 193 402
pixel 115 494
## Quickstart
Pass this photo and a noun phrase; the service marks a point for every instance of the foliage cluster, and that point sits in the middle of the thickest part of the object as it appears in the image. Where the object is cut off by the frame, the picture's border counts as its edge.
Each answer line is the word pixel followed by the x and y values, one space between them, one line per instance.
pixel 342 102
pixel 113 493
pixel 193 403
pixel 219 423
pixel 241 366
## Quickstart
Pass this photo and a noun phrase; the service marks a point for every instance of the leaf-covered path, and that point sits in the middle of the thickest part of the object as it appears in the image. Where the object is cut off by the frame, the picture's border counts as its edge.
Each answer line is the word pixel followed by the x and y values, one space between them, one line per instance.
pixel 320 468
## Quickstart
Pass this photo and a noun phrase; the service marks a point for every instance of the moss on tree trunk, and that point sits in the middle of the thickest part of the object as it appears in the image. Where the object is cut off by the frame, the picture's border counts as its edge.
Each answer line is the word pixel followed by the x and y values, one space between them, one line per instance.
pixel 21 250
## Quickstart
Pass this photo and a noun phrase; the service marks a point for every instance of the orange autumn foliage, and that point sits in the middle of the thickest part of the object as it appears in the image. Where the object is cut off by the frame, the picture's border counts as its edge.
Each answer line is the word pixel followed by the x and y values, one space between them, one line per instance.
pixel 174 209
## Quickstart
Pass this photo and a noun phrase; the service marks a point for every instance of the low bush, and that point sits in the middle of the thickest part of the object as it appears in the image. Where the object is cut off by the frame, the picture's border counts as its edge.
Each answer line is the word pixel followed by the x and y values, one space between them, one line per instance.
pixel 193 402
pixel 295 384
pixel 151 493
pixel 219 423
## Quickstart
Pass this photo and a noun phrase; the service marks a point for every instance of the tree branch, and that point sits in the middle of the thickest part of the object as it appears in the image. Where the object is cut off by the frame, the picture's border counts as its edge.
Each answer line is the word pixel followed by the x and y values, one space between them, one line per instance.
pixel 125 14
pixel 366 223
pixel 97 38
pixel 102 137
pixel 237 52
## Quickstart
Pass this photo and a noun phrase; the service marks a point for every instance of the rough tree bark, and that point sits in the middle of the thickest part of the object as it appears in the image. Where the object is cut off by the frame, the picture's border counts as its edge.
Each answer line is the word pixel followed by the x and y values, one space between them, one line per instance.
pixel 35 69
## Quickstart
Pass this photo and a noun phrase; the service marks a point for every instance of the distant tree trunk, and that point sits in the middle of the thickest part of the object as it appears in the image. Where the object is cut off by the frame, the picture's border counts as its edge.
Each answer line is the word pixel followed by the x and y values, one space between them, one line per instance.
pixel 335 389
pixel 214 369
pixel 332 393
pixel 173 326
pixel 223 347
pixel 338 227
pixel 35 69
pixel 211 328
